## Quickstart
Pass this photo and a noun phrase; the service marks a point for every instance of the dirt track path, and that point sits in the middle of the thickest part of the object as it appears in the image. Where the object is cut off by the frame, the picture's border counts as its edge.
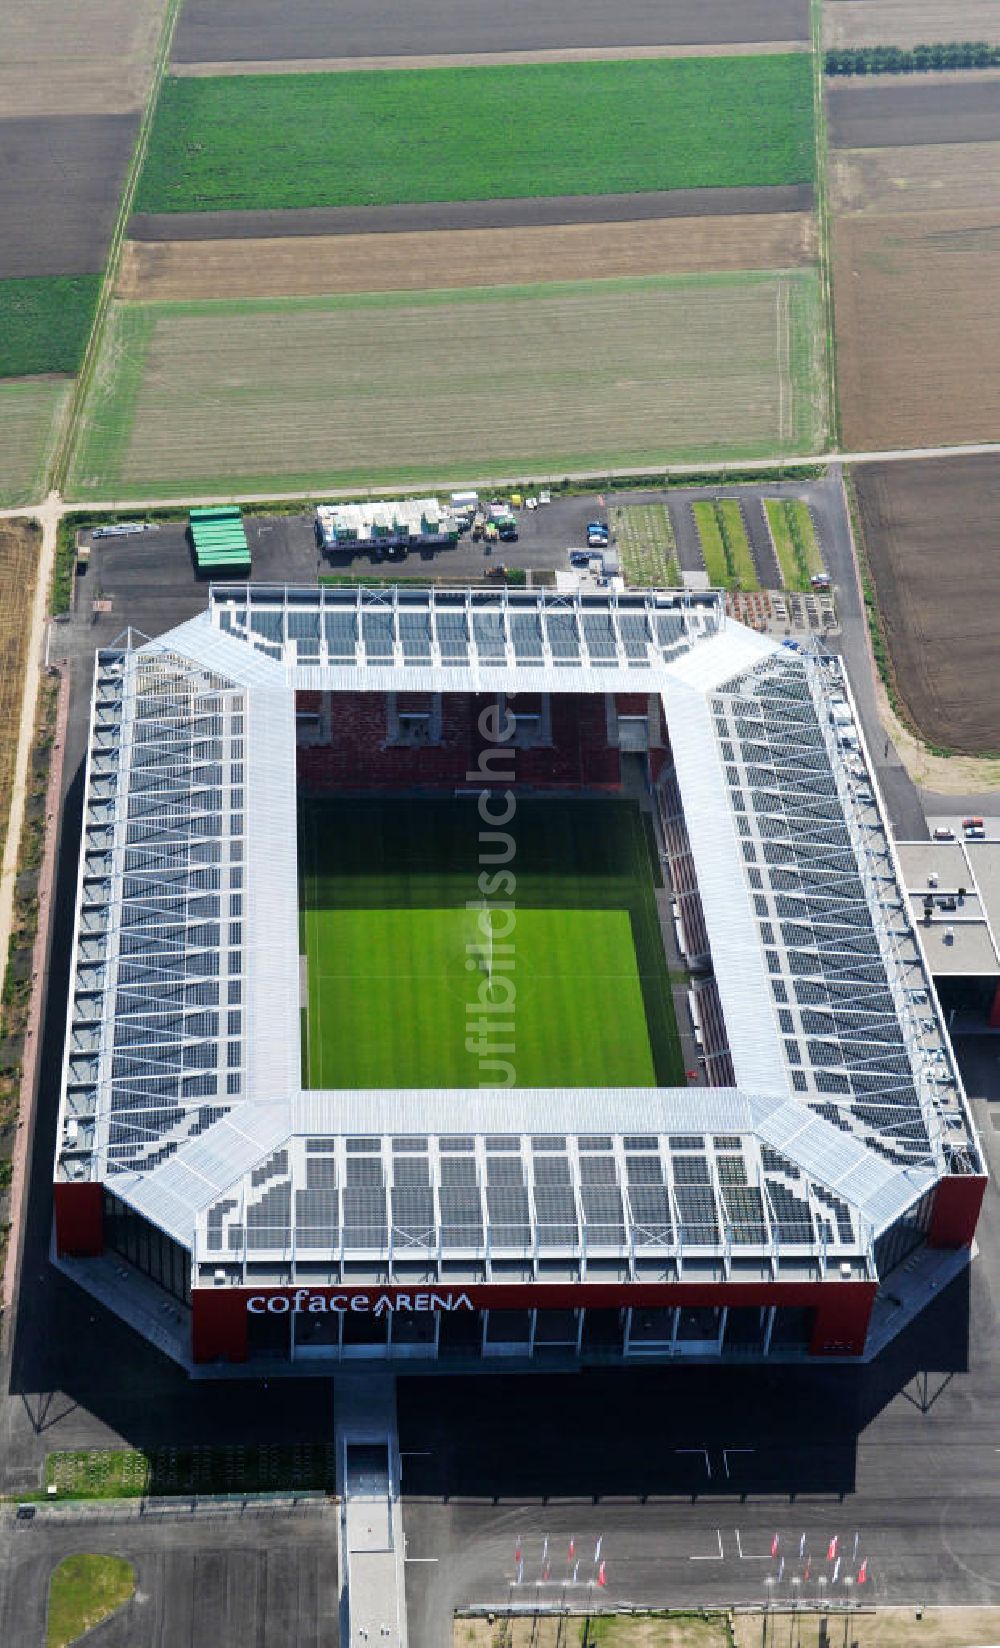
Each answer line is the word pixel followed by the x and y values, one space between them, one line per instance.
pixel 481 60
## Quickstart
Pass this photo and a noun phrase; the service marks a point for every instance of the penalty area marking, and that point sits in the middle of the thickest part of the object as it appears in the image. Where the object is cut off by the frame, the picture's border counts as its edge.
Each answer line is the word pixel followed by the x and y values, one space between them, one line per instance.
pixel 726 1452
pixel 715 1556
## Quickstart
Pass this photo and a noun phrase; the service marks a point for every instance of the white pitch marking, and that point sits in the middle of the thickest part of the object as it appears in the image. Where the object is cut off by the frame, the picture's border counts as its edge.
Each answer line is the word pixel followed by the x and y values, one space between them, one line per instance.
pixel 421 1559
pixel 743 1555
pixel 704 1455
pixel 720 1557
pixel 725 1456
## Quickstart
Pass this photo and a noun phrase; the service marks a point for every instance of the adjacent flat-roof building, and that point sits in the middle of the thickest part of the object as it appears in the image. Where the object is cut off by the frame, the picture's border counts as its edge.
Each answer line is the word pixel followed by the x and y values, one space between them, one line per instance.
pixel 825 1136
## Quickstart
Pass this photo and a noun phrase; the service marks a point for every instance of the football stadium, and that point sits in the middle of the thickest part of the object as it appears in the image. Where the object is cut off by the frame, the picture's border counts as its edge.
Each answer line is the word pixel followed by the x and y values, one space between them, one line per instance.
pixel 496 978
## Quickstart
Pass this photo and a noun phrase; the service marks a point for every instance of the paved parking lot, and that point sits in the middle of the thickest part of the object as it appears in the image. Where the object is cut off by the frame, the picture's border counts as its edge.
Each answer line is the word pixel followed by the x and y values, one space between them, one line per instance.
pixel 230 1582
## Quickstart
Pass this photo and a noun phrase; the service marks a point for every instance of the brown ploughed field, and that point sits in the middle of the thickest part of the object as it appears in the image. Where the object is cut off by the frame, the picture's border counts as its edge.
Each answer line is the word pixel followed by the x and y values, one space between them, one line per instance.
pixel 909 22
pixel 219 31
pixel 59 194
pixel 918 328
pixel 953 177
pixel 930 531
pixel 424 215
pixel 962 106
pixel 62 57
pixel 157 271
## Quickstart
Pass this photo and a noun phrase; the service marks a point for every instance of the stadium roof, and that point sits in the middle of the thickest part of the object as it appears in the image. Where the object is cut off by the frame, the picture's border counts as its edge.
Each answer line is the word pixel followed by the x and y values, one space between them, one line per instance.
pixel 183 1082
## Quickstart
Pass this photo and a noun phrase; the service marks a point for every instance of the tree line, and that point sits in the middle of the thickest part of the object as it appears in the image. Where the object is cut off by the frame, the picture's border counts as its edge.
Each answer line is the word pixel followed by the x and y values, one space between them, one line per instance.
pixel 950 54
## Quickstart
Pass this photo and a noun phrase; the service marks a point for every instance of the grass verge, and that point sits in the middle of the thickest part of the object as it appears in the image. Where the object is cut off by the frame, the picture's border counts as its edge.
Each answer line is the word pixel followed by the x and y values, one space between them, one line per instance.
pixel 15 1004
pixel 83 1591
pixel 250 142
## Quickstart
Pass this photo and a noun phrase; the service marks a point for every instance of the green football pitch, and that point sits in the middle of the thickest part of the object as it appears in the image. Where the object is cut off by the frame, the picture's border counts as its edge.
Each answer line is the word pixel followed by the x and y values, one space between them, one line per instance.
pixel 397 984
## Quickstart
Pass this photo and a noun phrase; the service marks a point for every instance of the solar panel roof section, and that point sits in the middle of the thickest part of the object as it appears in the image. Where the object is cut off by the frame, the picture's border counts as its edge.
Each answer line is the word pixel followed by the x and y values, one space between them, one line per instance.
pixel 737 955
pixel 161 1065
pixel 843 962
pixel 561 642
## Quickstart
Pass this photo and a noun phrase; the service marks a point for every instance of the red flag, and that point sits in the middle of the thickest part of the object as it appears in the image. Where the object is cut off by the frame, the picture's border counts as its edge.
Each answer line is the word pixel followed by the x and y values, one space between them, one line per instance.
pixel 831 1550
pixel 545 1572
pixel 602 1574
pixel 863 1573
pixel 808 1569
pixel 572 1548
pixel 774 1546
pixel 517 1549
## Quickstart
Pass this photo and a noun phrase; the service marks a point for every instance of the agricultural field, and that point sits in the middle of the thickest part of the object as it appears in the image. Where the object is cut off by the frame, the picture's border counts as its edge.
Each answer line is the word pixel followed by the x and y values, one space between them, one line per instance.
pixel 30 413
pixel 479 134
pixel 424 216
pixel 386 932
pixel 915 256
pixel 59 182
pixel 247 30
pixel 87 57
pixel 918 331
pixel 644 538
pixel 961 106
pixel 953 177
pixel 793 535
pixel 20 543
pixel 303 266
pixel 44 323
pixel 908 22
pixel 516 380
pixel 929 531
pixel 724 544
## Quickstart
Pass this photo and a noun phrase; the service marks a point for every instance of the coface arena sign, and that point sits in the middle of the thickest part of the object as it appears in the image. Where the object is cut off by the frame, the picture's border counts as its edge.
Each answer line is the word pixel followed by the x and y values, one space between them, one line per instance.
pixel 382 1304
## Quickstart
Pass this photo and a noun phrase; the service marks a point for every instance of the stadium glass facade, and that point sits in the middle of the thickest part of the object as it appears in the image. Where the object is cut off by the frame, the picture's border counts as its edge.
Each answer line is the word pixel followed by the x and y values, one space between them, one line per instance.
pixel 822 1138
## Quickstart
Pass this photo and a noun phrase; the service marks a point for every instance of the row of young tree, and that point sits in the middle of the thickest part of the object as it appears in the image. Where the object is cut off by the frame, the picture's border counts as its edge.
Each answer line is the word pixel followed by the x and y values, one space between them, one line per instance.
pixel 953 54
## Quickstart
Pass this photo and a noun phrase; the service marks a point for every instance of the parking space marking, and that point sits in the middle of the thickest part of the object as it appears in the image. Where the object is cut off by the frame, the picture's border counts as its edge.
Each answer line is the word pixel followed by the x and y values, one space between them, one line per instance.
pixel 704 1455
pixel 744 1556
pixel 715 1556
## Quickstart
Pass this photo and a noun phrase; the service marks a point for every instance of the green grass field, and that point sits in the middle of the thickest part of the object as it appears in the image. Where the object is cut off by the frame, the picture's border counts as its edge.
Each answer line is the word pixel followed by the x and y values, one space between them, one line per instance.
pixel 794 537
pixel 387 933
pixel 724 544
pixel 273 142
pixel 84 1590
pixel 30 410
pixel 389 389
pixel 44 323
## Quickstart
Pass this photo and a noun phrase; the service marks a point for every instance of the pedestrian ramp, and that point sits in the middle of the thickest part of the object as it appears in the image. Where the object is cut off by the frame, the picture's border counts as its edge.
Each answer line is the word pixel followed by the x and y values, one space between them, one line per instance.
pixel 373 1602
